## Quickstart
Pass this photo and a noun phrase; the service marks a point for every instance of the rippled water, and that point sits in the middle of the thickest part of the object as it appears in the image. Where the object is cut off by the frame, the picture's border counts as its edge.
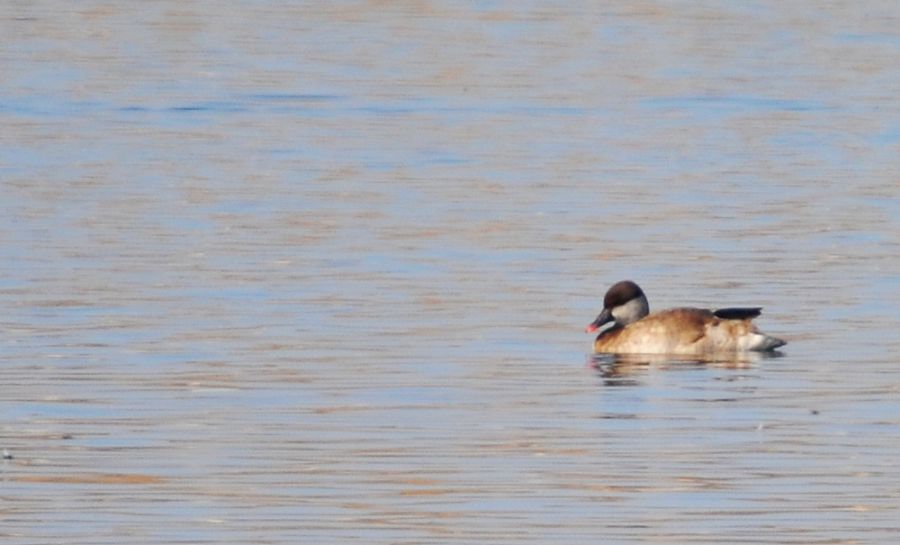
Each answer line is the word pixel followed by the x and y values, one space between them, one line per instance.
pixel 319 272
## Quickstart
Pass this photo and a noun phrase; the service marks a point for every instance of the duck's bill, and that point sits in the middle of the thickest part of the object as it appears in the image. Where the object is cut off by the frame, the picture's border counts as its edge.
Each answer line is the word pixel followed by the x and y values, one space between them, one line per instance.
pixel 603 318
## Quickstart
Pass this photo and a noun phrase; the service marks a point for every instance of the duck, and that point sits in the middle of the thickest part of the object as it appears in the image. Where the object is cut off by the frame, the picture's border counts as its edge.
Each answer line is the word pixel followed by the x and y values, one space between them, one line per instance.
pixel 684 331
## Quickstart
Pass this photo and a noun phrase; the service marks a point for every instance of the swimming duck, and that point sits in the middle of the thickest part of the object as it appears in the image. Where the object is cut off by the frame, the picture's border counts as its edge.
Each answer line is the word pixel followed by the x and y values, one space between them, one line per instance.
pixel 680 331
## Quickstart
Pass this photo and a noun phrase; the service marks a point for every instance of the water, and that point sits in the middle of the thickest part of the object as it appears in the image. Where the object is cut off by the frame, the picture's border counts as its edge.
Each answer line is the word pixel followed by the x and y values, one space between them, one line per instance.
pixel 319 271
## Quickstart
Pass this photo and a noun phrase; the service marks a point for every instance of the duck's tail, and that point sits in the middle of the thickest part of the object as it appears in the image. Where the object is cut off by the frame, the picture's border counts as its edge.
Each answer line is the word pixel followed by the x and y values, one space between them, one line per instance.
pixel 764 343
pixel 753 340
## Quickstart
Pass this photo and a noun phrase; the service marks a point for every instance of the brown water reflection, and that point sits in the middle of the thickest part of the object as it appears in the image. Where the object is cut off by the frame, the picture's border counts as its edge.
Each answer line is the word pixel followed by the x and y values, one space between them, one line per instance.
pixel 626 369
pixel 317 271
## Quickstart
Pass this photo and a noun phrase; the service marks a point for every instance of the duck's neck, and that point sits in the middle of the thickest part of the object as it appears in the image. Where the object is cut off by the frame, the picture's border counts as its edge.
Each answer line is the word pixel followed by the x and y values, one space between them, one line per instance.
pixel 631 311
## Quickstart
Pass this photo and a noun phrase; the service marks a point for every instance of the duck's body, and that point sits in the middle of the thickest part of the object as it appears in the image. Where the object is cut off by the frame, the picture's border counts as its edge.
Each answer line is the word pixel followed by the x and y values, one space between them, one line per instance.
pixel 677 331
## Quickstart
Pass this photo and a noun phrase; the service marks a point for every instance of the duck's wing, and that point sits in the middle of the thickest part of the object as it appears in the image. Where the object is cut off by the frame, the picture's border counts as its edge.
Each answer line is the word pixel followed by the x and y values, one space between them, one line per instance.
pixel 738 313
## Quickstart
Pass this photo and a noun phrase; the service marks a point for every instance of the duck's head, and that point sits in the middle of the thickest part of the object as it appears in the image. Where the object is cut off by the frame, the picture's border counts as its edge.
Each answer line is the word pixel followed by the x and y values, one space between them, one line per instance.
pixel 624 303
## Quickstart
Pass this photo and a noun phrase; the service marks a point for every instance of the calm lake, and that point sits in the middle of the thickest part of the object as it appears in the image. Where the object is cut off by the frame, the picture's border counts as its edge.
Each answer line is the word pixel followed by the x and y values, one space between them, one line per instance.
pixel 318 272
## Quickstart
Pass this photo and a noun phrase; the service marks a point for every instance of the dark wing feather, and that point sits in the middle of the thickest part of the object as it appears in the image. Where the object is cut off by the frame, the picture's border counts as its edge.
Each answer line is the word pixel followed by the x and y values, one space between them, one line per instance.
pixel 738 313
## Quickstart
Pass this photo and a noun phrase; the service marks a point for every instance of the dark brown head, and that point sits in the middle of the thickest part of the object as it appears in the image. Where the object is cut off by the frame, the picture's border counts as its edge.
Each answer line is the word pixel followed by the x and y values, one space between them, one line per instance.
pixel 624 303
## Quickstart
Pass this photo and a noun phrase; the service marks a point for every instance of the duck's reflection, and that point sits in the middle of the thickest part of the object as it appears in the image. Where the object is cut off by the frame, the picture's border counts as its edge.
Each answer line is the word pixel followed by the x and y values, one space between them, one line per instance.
pixel 626 369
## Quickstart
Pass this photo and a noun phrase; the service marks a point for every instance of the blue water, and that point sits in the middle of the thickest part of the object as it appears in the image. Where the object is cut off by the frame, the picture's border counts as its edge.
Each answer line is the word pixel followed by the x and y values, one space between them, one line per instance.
pixel 320 272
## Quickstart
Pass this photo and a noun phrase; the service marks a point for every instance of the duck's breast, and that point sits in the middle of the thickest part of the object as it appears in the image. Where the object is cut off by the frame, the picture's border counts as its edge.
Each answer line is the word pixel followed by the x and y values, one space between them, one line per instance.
pixel 675 331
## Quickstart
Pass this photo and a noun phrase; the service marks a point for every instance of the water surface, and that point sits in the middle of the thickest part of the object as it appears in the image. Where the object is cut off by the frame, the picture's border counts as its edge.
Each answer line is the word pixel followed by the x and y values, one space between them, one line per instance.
pixel 320 271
